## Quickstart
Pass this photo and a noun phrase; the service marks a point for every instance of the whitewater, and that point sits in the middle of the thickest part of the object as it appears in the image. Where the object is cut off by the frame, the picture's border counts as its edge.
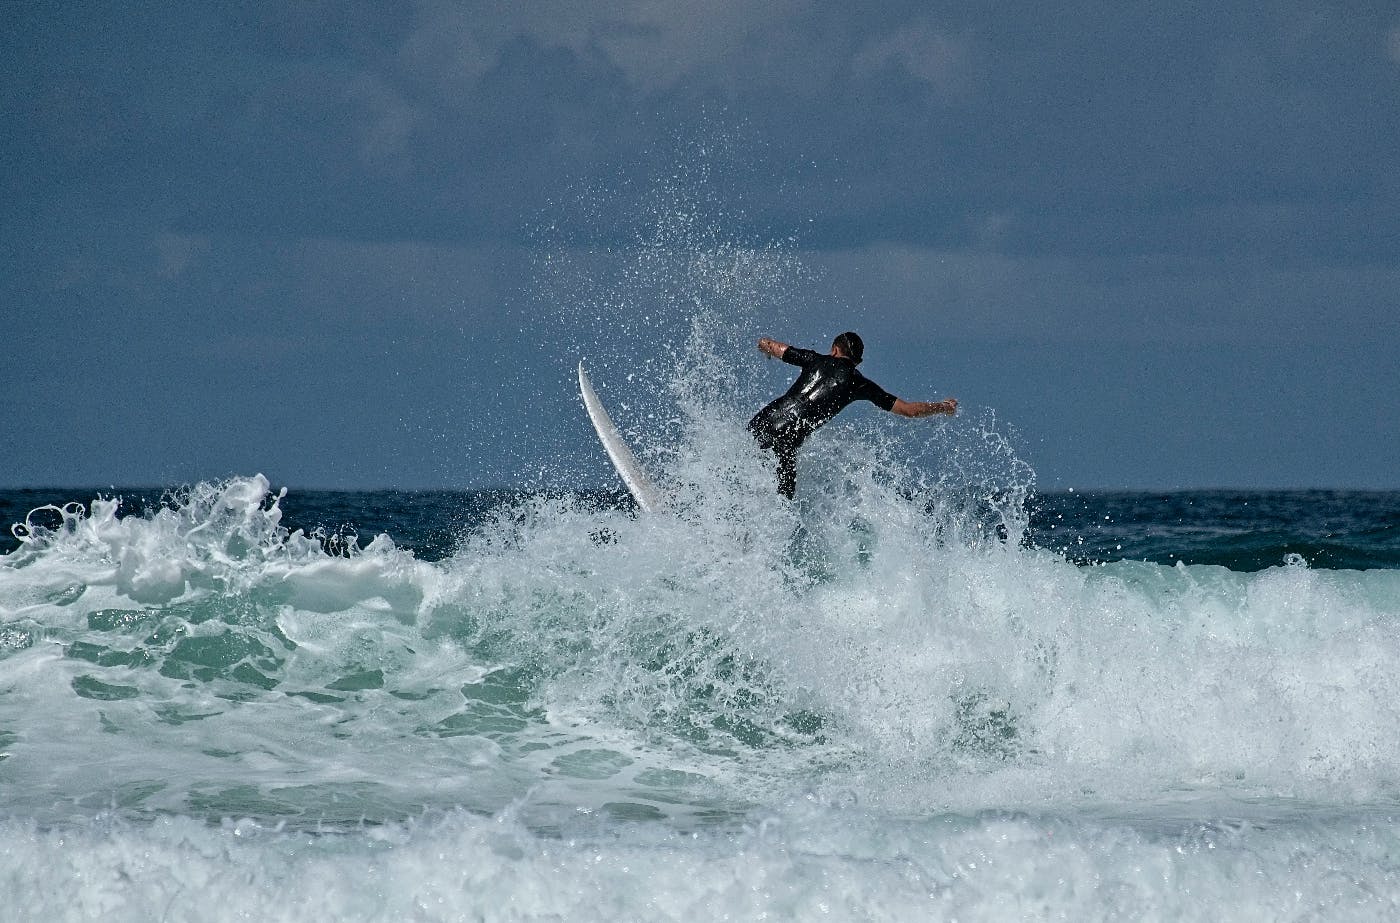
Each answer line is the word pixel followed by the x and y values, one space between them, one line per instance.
pixel 583 712
pixel 881 702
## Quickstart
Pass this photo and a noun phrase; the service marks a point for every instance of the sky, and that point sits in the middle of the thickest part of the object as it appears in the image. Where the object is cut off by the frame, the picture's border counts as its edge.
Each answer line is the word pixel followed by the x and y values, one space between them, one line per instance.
pixel 364 244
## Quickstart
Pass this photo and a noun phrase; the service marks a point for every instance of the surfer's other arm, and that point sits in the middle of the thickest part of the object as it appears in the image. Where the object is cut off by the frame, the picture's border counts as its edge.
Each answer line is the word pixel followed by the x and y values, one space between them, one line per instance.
pixel 924 408
pixel 772 347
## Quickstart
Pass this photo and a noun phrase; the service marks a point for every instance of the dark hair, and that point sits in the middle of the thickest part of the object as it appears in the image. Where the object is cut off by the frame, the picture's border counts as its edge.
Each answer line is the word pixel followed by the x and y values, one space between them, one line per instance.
pixel 850 345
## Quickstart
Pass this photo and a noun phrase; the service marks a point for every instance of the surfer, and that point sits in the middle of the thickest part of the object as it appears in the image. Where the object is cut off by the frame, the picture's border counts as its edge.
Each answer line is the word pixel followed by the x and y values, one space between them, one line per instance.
pixel 827 384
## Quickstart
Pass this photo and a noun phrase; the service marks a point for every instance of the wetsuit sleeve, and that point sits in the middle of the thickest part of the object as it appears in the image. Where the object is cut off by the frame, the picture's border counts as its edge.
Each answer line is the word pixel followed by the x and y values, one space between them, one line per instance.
pixel 869 391
pixel 802 357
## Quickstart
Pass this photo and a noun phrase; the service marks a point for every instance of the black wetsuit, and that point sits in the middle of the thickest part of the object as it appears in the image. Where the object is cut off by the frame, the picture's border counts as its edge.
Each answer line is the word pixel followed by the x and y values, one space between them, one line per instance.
pixel 827 384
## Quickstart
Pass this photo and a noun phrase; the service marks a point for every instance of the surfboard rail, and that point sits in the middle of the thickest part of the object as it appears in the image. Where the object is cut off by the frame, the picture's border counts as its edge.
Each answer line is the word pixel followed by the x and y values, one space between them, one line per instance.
pixel 648 497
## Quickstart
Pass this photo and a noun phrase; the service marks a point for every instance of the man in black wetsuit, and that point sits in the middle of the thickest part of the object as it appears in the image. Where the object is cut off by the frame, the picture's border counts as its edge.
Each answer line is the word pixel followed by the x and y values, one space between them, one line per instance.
pixel 827 384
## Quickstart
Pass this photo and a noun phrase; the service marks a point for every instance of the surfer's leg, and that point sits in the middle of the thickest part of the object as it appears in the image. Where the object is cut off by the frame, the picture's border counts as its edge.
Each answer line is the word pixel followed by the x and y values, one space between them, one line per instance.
pixel 784 449
pixel 787 470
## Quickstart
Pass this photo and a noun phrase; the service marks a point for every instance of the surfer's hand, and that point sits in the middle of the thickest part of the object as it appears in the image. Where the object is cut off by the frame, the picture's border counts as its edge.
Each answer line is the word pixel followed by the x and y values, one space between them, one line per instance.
pixel 946 408
pixel 771 348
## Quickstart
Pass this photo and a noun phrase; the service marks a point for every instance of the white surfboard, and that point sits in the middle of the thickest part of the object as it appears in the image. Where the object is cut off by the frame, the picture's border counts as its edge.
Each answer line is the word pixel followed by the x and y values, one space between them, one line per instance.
pixel 641 487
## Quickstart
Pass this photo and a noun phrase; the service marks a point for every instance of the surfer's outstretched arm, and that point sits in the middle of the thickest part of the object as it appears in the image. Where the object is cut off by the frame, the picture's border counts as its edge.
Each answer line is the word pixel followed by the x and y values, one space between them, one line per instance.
pixel 924 408
pixel 772 347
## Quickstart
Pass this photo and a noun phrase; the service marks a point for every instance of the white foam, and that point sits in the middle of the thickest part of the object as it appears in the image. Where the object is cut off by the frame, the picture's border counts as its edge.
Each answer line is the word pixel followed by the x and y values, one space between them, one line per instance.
pixel 864 641
pixel 798 864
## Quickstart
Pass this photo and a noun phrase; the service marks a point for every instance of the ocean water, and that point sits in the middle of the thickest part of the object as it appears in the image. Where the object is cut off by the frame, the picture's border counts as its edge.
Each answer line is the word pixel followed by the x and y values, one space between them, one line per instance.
pixel 227 702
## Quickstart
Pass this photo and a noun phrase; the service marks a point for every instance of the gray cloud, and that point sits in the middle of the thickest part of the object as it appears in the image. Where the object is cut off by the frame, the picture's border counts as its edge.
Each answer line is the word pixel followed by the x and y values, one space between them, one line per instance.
pixel 932 126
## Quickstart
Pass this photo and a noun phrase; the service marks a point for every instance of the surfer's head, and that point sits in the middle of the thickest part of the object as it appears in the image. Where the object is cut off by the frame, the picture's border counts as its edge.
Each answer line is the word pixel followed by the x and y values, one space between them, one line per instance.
pixel 849 345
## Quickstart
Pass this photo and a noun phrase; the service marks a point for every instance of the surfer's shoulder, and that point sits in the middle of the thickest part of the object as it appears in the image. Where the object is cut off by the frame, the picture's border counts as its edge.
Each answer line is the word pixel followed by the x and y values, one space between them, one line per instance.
pixel 796 355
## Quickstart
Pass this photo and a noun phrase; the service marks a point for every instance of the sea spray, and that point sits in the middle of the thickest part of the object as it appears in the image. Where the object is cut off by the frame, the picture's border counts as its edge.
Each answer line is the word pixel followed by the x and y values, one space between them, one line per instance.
pixel 884 700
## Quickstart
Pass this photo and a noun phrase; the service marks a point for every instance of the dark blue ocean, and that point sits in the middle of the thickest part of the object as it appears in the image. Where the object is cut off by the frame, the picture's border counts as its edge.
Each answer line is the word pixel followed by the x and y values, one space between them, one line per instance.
pixel 1239 530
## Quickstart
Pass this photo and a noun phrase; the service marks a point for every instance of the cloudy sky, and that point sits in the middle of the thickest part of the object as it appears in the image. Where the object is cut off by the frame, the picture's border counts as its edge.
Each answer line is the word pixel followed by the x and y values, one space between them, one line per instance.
pixel 330 241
